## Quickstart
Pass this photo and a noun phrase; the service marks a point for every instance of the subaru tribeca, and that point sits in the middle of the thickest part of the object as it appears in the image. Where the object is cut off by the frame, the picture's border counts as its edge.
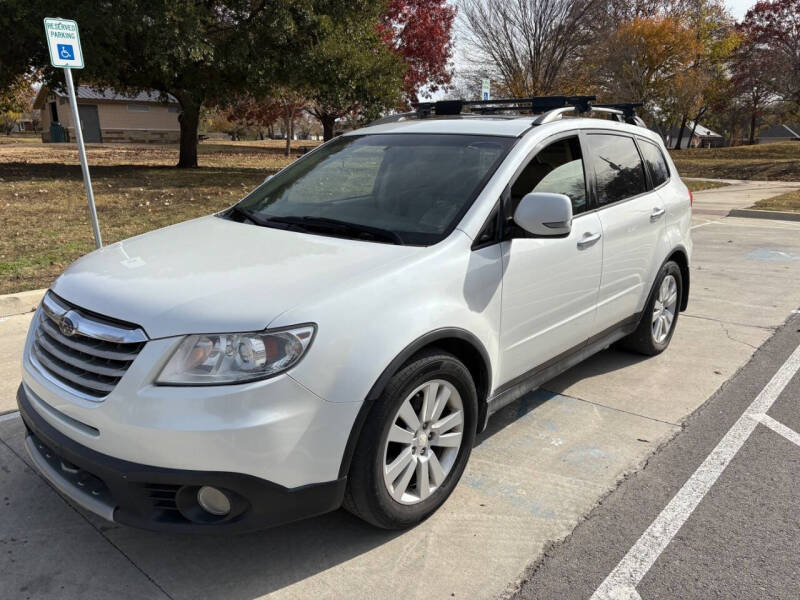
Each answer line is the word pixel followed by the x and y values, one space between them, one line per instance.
pixel 340 335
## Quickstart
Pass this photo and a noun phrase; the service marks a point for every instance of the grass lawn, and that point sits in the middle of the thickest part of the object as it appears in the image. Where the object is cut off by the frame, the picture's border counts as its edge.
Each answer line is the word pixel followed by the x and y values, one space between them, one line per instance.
pixel 698 185
pixel 779 162
pixel 789 202
pixel 44 221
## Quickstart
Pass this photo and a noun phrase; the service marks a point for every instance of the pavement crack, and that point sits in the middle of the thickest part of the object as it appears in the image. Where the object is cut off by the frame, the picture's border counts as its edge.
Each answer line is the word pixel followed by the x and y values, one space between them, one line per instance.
pixel 764 327
pixel 627 412
pixel 88 522
pixel 733 339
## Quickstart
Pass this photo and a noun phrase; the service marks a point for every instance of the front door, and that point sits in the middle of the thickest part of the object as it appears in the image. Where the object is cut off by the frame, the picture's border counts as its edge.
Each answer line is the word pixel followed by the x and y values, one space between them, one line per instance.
pixel 90 123
pixel 550 284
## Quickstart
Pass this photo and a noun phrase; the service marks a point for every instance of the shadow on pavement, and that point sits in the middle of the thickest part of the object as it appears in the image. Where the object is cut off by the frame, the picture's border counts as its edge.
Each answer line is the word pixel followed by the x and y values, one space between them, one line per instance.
pixel 603 362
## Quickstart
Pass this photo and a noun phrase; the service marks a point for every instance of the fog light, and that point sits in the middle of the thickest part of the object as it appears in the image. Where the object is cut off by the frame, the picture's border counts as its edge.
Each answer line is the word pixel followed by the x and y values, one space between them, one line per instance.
pixel 213 501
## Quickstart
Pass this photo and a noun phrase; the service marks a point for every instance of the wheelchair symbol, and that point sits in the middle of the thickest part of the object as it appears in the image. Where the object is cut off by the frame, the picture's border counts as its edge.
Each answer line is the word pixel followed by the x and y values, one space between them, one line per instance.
pixel 65 52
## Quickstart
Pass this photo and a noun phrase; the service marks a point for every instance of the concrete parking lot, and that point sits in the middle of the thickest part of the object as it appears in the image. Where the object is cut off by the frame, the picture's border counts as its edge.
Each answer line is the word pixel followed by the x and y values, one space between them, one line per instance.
pixel 544 463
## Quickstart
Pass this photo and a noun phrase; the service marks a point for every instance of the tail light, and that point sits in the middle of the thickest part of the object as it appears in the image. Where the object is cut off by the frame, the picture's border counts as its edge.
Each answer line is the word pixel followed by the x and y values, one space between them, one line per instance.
pixel 691 198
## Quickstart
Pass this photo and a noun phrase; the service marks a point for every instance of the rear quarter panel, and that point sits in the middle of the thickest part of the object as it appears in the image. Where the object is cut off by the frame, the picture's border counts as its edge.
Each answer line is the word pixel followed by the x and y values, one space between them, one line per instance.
pixel 676 196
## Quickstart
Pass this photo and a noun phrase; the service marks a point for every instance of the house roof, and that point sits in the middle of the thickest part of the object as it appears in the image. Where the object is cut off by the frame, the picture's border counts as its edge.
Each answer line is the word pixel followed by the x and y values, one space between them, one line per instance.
pixel 781 131
pixel 700 131
pixel 104 94
pixel 703 131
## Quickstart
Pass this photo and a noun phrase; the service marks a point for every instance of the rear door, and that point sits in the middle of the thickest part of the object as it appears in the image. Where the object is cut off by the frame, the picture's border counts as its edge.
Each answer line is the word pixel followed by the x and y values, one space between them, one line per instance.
pixel 632 217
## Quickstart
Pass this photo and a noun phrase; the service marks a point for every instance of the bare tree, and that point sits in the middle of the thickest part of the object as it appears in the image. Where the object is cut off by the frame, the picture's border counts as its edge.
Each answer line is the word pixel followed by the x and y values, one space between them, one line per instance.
pixel 527 44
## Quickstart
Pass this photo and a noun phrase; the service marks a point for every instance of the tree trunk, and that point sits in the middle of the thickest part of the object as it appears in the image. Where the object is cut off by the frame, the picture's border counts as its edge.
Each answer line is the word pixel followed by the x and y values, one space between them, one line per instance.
pixel 680 133
pixel 328 123
pixel 189 120
pixel 752 139
pixel 697 117
pixel 288 128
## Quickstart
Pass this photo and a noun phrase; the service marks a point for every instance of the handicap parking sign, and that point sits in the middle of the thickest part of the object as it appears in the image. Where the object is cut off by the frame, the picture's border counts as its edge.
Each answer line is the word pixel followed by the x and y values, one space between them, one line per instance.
pixel 64 42
pixel 65 52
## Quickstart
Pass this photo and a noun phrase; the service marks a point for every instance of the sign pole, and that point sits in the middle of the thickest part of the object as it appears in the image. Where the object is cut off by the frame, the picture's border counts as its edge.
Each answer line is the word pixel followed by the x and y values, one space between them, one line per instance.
pixel 64 43
pixel 87 180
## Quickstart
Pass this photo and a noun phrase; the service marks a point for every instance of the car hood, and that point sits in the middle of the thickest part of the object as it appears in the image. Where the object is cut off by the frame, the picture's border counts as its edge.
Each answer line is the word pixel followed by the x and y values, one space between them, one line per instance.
pixel 212 275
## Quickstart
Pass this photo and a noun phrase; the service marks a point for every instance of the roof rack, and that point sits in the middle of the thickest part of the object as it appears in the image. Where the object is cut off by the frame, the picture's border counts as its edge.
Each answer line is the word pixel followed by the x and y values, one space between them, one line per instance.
pixel 549 108
pixel 628 111
pixel 534 105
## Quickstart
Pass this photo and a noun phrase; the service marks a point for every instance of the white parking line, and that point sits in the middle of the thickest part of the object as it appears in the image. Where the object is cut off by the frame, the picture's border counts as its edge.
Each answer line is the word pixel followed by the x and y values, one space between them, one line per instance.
pixel 703 224
pixel 9 416
pixel 751 223
pixel 789 434
pixel 622 581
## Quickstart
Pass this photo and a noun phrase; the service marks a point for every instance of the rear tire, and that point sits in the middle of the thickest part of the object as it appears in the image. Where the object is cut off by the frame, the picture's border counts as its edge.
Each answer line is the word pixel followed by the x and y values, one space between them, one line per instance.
pixel 654 332
pixel 404 466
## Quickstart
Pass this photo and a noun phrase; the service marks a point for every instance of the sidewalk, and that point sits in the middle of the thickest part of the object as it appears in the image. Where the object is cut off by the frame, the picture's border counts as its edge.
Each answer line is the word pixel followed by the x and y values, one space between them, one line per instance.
pixel 739 194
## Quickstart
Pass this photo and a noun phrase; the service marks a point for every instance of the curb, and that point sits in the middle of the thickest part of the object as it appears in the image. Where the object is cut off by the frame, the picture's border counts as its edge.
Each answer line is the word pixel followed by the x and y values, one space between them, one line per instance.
pixel 764 214
pixel 21 302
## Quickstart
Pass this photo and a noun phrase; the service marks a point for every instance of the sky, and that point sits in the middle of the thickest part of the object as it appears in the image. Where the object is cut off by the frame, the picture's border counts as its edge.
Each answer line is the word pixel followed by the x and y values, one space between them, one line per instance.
pixel 738 8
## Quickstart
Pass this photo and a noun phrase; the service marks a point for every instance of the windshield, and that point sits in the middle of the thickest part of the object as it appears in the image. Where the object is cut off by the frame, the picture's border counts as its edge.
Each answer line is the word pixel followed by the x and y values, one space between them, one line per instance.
pixel 411 188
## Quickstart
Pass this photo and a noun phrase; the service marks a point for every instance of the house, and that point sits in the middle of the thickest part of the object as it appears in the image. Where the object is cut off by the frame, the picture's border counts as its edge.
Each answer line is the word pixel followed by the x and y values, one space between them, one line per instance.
pixel 110 116
pixel 779 133
pixel 703 137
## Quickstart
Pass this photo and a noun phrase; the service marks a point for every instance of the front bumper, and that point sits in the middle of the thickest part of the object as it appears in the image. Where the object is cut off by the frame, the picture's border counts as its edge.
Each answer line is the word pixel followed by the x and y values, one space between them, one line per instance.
pixel 159 498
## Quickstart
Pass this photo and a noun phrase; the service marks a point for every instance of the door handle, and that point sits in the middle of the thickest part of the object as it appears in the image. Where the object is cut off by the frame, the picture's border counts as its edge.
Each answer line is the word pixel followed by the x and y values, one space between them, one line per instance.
pixel 657 214
pixel 587 240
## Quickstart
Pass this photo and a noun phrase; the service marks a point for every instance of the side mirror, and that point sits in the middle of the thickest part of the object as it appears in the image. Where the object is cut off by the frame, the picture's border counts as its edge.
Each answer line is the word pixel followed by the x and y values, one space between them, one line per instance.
pixel 268 178
pixel 544 214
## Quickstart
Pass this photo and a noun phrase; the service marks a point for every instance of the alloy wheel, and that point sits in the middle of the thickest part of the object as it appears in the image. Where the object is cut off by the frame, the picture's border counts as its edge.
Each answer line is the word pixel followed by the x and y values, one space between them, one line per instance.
pixel 423 442
pixel 664 309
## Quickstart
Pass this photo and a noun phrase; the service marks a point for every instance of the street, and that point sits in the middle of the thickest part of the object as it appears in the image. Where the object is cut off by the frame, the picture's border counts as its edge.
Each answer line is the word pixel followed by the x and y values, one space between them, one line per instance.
pixel 540 470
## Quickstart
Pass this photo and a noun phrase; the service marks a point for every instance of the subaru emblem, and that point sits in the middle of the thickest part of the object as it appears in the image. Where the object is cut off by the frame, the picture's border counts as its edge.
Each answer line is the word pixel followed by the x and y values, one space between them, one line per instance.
pixel 67 326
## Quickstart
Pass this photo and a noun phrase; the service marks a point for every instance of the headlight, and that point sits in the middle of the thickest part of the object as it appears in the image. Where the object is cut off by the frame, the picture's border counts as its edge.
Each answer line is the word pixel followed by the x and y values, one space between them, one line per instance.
pixel 236 357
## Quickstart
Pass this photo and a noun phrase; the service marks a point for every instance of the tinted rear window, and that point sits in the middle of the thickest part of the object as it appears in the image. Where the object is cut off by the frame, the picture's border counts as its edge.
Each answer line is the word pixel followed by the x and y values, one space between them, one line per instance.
pixel 655 160
pixel 618 167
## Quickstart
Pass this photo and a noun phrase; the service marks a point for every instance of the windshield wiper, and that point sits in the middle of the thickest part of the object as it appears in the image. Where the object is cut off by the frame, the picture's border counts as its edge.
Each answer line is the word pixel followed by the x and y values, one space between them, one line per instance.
pixel 322 224
pixel 344 228
pixel 264 221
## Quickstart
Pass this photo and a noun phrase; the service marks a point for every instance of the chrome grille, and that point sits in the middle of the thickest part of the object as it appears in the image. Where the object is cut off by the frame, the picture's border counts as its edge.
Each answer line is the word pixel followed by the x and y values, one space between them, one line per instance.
pixel 82 351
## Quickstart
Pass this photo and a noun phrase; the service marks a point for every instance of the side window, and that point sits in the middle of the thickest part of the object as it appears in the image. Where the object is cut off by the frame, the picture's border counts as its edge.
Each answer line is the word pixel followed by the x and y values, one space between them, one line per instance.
pixel 655 160
pixel 617 166
pixel 557 168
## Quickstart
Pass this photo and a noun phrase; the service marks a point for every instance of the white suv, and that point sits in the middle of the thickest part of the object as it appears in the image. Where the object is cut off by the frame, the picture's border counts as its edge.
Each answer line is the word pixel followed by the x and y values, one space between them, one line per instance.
pixel 341 334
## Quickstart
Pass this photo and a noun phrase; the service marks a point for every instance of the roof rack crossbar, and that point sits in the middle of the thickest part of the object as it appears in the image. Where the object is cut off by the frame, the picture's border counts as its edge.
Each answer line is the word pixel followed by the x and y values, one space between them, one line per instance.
pixel 549 109
pixel 534 105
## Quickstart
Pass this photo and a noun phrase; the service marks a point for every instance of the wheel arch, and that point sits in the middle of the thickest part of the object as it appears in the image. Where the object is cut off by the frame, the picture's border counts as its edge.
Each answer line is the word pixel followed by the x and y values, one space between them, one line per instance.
pixel 680 257
pixel 461 343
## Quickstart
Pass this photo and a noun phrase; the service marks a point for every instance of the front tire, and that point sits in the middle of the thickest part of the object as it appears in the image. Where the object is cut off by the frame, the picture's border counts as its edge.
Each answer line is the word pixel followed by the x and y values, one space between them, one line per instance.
pixel 415 443
pixel 660 317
